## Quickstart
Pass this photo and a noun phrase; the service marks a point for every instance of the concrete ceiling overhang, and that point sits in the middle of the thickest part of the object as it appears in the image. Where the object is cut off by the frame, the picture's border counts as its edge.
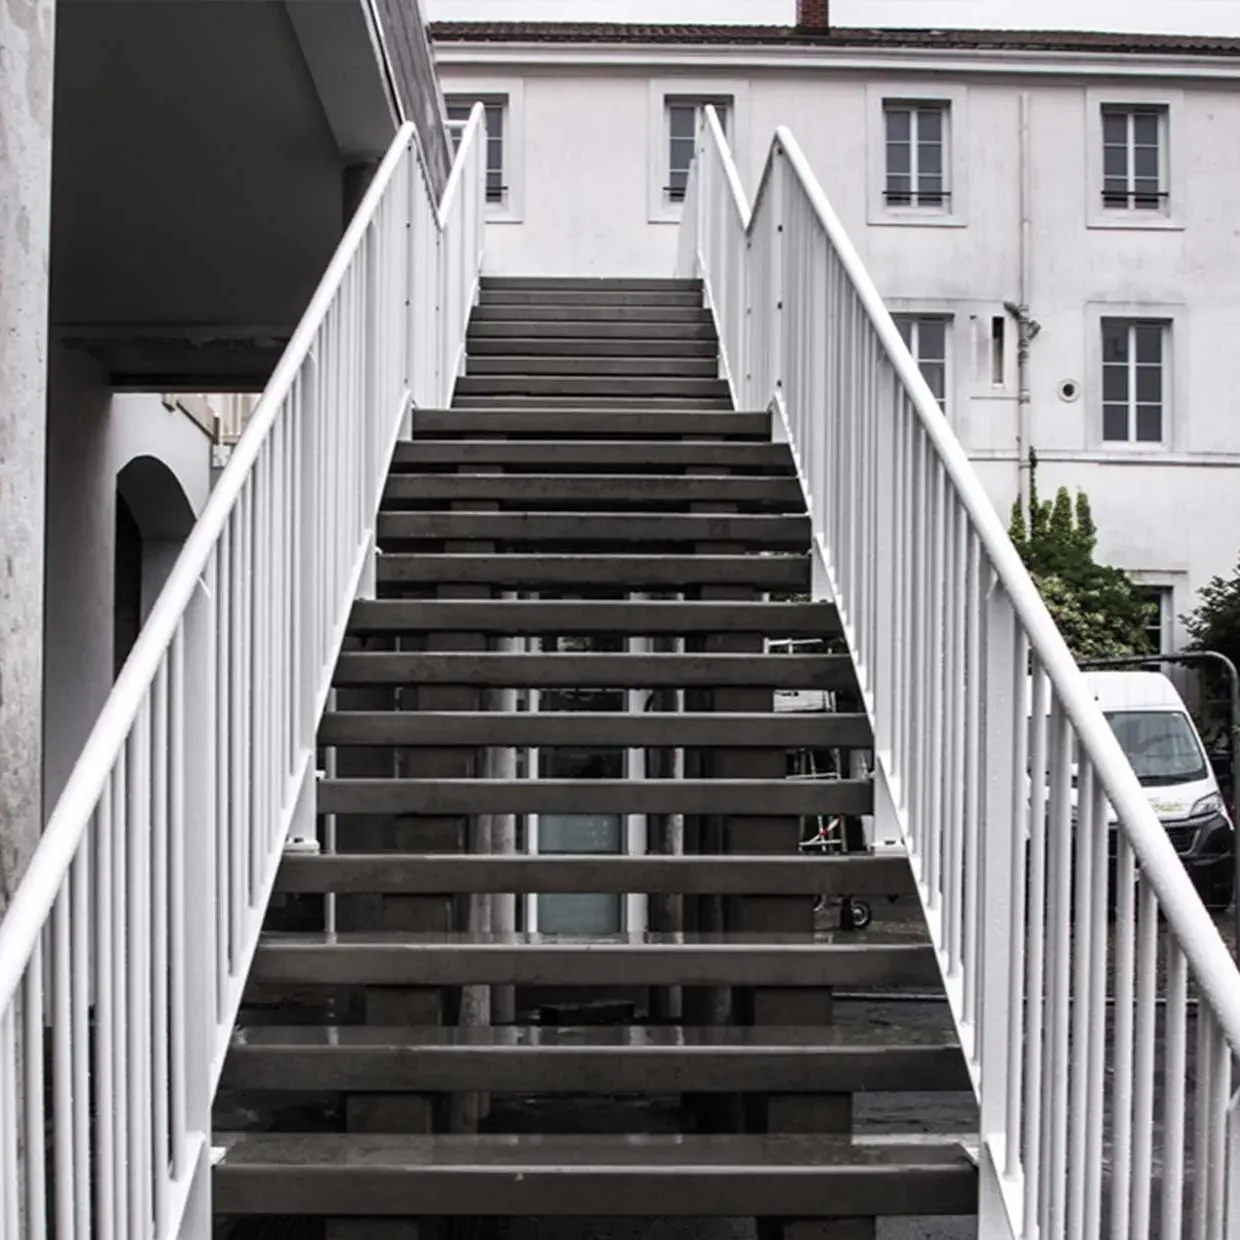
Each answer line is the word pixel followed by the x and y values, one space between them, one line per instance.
pixel 198 161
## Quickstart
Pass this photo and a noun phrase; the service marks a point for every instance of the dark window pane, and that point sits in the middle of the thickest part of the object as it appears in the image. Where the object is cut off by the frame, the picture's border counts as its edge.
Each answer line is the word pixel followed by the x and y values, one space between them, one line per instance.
pixel 495 120
pixel 721 110
pixel 930 124
pixel 935 374
pixel 899 158
pixel 1115 128
pixel 682 120
pixel 1149 342
pixel 899 124
pixel 1145 128
pixel 459 111
pixel 930 158
pixel 905 328
pixel 930 191
pixel 932 340
pixel 1114 340
pixel 1149 423
pixel 1145 163
pixel 1115 423
pixel 1115 383
pixel 1115 162
pixel 1149 385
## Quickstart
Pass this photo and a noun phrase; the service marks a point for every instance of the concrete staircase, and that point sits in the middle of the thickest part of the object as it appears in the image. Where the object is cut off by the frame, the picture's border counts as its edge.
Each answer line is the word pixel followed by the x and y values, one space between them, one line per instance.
pixel 582 564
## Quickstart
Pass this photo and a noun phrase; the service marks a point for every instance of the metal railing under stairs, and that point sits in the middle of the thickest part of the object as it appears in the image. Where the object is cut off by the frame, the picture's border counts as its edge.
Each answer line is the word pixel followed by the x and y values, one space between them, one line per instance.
pixel 1076 954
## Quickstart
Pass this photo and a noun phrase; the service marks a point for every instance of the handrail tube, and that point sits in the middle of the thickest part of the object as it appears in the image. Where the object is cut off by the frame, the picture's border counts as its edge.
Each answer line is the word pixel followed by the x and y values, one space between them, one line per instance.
pixel 1200 938
pixel 945 627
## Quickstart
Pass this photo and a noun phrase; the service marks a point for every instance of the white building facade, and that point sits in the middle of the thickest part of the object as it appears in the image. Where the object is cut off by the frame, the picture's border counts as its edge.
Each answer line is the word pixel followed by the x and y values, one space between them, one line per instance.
pixel 1089 178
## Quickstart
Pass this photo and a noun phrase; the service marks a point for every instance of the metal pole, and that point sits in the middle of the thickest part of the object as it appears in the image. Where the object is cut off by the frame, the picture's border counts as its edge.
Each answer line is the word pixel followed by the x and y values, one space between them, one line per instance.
pixel 1233 686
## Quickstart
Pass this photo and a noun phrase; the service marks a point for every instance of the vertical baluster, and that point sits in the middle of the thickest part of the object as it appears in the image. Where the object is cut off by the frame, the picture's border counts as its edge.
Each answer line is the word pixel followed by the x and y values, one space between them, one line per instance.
pixel 10 1122
pixel 79 1024
pixel 120 895
pixel 1097 1020
pixel 954 768
pixel 1121 1105
pixel 974 594
pixel 32 1110
pixel 933 671
pixel 177 946
pixel 1016 998
pixel 138 1016
pixel 1143 1076
pixel 62 1058
pixel 1059 840
pixel 1220 1095
pixel 1175 1056
pixel 1036 947
pixel 158 929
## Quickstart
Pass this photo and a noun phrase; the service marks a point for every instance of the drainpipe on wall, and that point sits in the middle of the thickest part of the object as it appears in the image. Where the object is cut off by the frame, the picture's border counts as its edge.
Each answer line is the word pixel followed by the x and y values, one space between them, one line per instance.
pixel 1026 327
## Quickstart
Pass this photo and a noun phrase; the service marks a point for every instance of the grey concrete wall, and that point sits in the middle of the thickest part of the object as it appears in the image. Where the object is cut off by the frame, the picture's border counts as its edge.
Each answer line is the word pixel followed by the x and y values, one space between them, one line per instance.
pixel 92 436
pixel 26 37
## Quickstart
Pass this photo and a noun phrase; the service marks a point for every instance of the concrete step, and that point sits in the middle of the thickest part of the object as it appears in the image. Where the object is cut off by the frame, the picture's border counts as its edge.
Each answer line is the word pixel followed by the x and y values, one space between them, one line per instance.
pixel 524 312
pixel 754 530
pixel 591 346
pixel 630 490
pixel 728 797
pixel 637 572
pixel 614 404
pixel 642 423
pixel 618 283
pixel 586 296
pixel 587 1176
pixel 603 671
pixel 401 959
pixel 608 386
pixel 523 617
pixel 625 367
pixel 654 730
pixel 593 1059
pixel 696 326
pixel 553 454
pixel 433 874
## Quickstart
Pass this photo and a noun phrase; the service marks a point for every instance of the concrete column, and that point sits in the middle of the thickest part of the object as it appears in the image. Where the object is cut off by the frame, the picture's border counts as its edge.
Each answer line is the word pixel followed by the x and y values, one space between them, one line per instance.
pixel 26 45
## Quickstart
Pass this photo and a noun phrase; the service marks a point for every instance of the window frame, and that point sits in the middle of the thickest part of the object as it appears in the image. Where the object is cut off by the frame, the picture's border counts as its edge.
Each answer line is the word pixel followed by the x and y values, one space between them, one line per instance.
pixel 1172 211
pixel 1132 405
pixel 1165 601
pixel 916 319
pixel 881 97
pixel 661 94
pixel 917 110
pixel 697 103
pixel 509 94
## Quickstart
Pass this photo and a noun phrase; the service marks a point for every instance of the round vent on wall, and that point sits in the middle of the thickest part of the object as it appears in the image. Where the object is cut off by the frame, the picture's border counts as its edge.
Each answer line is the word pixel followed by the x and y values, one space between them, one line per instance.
pixel 1069 389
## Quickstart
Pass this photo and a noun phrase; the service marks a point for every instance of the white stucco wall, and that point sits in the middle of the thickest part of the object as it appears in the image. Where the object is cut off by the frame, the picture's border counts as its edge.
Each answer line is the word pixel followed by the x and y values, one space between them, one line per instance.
pixel 587 149
pixel 92 436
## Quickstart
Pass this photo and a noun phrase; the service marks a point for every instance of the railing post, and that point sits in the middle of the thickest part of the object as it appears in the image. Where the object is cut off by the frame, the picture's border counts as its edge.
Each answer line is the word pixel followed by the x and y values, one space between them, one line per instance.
pixel 1002 714
pixel 775 345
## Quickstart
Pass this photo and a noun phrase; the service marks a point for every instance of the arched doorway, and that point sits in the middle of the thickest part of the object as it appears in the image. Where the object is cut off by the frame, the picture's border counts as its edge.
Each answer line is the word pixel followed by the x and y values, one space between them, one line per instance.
pixel 153 518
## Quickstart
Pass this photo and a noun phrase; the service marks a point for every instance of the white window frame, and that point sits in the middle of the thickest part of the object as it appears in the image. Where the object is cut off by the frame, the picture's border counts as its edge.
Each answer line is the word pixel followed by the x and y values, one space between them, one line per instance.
pixel 1130 328
pixel 1175 375
pixel 510 92
pixel 954 99
pixel 664 91
pixel 916 322
pixel 1166 607
pixel 1172 214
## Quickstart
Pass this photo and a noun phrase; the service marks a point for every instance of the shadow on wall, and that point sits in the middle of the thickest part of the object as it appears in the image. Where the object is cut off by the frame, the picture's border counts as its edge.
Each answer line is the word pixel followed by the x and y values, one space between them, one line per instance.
pixel 153 518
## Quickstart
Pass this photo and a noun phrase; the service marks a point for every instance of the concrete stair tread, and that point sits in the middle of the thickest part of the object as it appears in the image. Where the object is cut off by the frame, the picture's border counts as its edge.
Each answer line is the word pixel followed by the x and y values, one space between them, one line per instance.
pixel 753 530
pixel 782 493
pixel 590 385
pixel 599 364
pixel 531 311
pixel 644 616
pixel 633 730
pixel 620 283
pixel 595 670
pixel 594 345
pixel 731 797
pixel 880 956
pixel 588 1175
pixel 495 419
pixel 418 873
pixel 594 403
pixel 757 457
pixel 594 1059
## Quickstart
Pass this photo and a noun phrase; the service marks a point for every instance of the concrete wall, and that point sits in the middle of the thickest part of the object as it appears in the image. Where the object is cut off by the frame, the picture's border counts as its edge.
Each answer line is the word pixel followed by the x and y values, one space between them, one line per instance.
pixel 587 150
pixel 92 437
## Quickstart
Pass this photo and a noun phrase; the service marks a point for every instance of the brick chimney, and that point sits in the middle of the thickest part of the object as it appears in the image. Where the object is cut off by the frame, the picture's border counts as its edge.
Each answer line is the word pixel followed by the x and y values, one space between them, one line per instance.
pixel 812 14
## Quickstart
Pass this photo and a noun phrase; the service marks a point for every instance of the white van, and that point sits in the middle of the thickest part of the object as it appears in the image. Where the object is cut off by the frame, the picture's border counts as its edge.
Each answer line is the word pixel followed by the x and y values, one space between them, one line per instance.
pixel 1154 729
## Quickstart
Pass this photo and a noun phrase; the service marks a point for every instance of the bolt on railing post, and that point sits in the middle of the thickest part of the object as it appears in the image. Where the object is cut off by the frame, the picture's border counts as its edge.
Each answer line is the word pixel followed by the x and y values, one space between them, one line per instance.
pixel 775 346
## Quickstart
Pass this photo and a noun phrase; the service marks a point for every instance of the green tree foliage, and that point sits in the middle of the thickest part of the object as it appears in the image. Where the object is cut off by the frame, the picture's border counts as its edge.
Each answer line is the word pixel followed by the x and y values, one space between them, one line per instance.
pixel 1215 623
pixel 1096 607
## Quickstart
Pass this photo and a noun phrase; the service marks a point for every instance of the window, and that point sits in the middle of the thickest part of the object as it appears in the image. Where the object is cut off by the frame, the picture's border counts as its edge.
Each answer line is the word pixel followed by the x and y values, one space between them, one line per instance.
pixel 927 342
pixel 1133 380
pixel 459 109
pixel 1158 602
pixel 682 125
pixel 1134 164
pixel 916 145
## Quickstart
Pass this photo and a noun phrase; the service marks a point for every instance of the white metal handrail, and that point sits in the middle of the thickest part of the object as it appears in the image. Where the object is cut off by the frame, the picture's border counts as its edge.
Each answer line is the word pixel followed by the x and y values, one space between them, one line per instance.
pixel 126 947
pixel 1058 1009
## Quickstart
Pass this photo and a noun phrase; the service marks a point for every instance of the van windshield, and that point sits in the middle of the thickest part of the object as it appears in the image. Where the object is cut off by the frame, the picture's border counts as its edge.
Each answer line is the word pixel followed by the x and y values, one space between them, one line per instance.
pixel 1161 745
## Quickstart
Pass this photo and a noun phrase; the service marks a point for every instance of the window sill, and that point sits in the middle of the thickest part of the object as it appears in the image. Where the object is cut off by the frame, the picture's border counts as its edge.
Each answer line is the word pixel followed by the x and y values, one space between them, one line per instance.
pixel 667 213
pixel 499 213
pixel 917 219
pixel 1136 221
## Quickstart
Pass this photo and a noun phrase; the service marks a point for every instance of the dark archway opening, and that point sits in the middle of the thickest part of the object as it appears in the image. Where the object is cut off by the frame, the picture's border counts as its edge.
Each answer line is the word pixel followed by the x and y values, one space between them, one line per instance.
pixel 127 595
